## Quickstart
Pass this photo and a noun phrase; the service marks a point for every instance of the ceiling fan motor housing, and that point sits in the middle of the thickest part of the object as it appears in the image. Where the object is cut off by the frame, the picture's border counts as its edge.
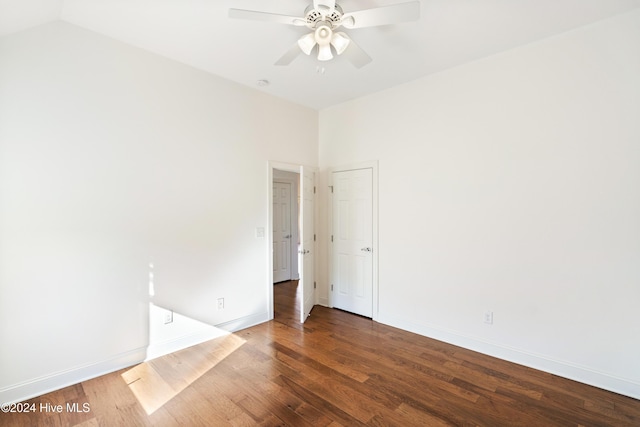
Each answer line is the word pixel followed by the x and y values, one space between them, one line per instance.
pixel 313 17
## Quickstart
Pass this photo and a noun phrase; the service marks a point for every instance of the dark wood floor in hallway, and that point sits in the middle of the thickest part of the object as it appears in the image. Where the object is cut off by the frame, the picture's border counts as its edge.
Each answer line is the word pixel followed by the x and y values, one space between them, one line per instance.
pixel 337 369
pixel 286 303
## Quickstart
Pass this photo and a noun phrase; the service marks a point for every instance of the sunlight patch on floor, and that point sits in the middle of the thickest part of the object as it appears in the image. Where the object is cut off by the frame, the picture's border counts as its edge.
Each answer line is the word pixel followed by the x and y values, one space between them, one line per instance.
pixel 156 382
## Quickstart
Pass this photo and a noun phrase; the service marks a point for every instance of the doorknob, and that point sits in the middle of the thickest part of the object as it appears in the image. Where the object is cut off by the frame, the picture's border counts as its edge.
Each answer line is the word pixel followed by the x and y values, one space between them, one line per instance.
pixel 288 236
pixel 366 249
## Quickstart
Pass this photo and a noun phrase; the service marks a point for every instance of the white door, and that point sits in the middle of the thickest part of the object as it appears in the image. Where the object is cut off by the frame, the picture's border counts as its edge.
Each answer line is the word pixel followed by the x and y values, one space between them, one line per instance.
pixel 307 239
pixel 352 247
pixel 281 231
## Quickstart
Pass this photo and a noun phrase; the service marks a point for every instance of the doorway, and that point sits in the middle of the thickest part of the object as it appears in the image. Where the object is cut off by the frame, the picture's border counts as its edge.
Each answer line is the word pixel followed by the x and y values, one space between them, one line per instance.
pixel 292 236
pixel 285 232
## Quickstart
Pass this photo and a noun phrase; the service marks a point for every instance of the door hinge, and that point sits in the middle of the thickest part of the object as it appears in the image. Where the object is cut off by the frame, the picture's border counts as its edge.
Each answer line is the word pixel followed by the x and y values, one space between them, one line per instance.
pixel 314 285
pixel 314 189
pixel 332 288
pixel 332 238
pixel 314 237
pixel 331 187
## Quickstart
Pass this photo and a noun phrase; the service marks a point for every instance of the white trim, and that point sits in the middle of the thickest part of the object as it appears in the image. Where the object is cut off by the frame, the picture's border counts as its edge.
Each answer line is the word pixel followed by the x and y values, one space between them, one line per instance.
pixel 244 322
pixel 162 348
pixel 56 381
pixel 540 362
pixel 373 165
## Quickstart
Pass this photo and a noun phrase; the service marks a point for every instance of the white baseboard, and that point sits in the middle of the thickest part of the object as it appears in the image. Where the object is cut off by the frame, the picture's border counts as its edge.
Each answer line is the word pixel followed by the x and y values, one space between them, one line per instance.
pixel 561 368
pixel 176 344
pixel 170 346
pixel 244 322
pixel 55 381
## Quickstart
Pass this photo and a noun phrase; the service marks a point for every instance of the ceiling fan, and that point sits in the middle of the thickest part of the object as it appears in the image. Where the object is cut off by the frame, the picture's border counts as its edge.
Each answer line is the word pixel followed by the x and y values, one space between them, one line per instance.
pixel 324 17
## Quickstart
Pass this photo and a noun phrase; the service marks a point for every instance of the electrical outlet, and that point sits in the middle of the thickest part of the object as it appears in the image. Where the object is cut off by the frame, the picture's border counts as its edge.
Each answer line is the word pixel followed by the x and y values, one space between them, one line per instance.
pixel 220 303
pixel 488 317
pixel 168 317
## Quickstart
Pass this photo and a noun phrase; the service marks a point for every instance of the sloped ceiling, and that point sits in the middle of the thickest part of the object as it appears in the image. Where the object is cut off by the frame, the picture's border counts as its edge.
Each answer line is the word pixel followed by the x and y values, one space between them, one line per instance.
pixel 199 33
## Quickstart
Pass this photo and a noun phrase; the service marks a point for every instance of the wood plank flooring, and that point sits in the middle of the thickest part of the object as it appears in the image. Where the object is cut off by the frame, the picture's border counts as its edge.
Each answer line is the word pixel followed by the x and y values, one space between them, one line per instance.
pixel 286 304
pixel 337 369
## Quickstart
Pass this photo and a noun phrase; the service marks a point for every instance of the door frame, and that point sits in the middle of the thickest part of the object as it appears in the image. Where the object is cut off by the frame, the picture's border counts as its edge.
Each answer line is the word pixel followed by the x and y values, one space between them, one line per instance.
pixel 373 165
pixel 288 167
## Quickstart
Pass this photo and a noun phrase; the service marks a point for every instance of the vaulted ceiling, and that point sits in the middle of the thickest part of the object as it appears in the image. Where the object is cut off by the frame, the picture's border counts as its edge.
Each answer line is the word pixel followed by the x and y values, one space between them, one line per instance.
pixel 200 33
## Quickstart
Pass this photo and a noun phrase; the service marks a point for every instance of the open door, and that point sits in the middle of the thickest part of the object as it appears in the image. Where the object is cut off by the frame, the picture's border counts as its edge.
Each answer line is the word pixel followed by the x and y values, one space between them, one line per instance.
pixel 307 239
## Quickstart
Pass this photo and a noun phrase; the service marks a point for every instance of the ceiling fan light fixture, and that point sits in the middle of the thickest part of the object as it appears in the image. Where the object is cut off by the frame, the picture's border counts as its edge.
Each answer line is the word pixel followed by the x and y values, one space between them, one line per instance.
pixel 323 34
pixel 307 42
pixel 324 52
pixel 340 42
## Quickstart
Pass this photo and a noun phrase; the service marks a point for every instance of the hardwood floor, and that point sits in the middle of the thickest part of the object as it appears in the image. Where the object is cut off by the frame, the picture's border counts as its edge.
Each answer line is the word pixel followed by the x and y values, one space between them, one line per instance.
pixel 286 304
pixel 336 369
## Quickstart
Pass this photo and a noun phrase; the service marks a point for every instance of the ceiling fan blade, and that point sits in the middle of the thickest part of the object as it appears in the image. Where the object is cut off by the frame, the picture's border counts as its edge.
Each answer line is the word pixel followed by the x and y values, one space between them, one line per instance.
pixel 355 54
pixel 325 7
pixel 384 15
pixel 255 15
pixel 289 56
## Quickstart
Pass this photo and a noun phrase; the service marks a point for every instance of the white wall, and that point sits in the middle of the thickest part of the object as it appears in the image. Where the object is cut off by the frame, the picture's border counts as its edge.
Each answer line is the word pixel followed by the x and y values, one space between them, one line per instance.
pixel 512 184
pixel 112 158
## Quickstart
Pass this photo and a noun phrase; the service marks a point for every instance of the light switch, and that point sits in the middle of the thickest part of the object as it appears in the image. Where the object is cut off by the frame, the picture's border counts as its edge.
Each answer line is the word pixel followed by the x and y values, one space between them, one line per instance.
pixel 260 232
